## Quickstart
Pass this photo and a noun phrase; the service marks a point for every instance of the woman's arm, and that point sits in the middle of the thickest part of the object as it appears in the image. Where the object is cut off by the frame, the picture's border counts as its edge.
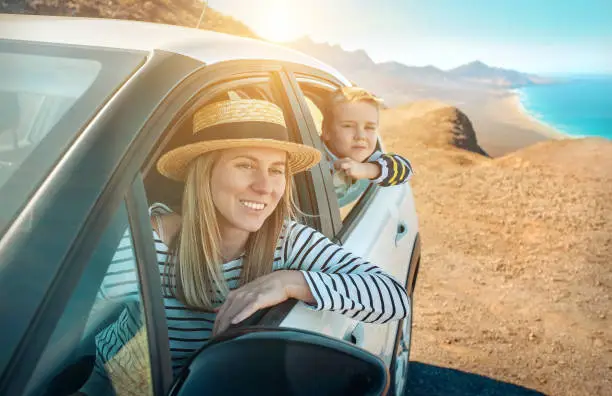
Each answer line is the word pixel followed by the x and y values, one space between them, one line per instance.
pixel 323 275
pixel 341 281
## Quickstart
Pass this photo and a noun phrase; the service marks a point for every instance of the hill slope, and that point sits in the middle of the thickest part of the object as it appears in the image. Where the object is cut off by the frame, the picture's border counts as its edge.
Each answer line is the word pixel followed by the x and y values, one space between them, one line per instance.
pixel 431 124
pixel 175 12
pixel 515 280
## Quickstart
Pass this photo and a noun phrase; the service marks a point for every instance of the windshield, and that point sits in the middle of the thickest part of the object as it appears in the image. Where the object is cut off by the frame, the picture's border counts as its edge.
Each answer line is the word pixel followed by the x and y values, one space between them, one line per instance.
pixel 48 93
pixel 35 92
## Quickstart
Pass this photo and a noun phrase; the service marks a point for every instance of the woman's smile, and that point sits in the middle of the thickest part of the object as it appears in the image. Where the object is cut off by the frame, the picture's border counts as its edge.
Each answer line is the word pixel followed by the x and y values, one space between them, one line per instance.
pixel 253 205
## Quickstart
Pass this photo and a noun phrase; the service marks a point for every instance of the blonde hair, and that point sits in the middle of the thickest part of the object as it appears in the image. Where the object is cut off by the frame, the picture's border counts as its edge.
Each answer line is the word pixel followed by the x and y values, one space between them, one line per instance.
pixel 195 259
pixel 347 95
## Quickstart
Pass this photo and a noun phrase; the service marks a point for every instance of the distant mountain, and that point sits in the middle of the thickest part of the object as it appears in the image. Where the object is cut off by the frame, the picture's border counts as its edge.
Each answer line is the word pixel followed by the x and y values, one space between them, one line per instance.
pixel 477 71
pixel 422 75
pixel 400 69
pixel 334 55
pixel 413 80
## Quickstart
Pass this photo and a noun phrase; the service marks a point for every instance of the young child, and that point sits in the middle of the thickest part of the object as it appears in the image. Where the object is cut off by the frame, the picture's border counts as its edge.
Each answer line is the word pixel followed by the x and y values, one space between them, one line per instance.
pixel 349 133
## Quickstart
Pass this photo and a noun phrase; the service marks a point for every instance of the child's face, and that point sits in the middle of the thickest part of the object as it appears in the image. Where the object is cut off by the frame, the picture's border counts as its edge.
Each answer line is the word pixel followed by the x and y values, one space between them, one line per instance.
pixel 353 131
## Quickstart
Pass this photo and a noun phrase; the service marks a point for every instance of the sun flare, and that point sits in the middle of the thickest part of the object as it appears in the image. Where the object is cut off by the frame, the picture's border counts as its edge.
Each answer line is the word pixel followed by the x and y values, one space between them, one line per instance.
pixel 276 22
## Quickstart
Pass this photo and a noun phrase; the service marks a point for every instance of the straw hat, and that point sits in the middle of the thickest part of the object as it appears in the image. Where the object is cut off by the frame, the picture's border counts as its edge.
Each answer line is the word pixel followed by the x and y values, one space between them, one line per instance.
pixel 237 123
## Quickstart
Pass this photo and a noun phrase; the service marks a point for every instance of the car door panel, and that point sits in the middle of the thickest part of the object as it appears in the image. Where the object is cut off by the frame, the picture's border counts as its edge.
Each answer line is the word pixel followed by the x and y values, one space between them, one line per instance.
pixel 374 238
pixel 389 208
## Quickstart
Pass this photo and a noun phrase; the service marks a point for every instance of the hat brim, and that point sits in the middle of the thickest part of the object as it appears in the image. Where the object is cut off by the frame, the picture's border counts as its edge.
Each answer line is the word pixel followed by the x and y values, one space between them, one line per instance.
pixel 174 164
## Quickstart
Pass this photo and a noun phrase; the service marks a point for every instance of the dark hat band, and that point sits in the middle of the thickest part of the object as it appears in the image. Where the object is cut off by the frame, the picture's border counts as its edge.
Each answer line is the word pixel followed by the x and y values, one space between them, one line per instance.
pixel 242 130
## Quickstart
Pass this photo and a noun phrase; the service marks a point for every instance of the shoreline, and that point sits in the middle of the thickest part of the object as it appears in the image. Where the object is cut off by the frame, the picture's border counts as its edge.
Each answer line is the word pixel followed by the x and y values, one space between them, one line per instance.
pixel 514 100
pixel 503 125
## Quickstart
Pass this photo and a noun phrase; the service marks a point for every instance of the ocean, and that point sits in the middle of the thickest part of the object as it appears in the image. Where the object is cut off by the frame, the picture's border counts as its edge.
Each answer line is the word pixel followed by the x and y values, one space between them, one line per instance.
pixel 578 106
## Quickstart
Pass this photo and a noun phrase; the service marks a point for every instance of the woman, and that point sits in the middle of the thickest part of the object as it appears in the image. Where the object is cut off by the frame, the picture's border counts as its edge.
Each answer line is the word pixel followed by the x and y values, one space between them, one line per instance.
pixel 235 250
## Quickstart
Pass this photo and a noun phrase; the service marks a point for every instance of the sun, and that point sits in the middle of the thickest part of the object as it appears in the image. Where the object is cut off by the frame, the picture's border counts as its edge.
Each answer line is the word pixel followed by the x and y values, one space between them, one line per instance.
pixel 276 22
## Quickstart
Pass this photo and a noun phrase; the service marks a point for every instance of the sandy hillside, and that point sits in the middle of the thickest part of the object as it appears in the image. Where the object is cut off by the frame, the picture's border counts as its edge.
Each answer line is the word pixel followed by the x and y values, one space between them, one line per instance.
pixel 172 12
pixel 516 277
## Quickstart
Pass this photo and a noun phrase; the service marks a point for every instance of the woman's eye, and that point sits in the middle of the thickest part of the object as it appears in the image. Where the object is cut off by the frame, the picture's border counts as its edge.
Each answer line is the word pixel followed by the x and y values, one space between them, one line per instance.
pixel 346 125
pixel 277 171
pixel 244 165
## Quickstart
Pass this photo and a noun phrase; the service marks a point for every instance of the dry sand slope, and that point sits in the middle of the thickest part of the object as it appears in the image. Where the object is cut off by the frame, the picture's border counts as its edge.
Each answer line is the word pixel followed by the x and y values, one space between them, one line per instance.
pixel 516 276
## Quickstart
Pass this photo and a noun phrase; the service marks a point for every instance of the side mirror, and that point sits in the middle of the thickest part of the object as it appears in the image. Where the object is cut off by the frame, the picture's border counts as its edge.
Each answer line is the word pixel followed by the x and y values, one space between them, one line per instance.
pixel 265 361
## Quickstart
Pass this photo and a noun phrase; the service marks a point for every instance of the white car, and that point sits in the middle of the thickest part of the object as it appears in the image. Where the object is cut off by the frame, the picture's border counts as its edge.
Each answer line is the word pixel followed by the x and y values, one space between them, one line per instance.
pixel 86 108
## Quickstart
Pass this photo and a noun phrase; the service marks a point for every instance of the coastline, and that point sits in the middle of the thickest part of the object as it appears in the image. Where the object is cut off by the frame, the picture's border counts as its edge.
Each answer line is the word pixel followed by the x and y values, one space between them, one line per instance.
pixel 502 123
pixel 536 124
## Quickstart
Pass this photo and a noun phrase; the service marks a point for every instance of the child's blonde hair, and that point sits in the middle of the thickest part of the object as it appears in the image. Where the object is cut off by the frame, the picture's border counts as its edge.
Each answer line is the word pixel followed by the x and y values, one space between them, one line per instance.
pixel 348 95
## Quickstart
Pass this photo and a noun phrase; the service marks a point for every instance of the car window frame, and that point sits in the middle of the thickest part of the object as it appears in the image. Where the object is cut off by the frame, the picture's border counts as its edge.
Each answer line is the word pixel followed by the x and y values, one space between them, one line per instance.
pixel 221 77
pixel 294 74
pixel 316 186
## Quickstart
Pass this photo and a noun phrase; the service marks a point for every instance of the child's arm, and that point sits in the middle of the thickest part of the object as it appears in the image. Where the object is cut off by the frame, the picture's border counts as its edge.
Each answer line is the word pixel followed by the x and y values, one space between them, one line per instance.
pixel 394 170
pixel 358 170
pixel 385 170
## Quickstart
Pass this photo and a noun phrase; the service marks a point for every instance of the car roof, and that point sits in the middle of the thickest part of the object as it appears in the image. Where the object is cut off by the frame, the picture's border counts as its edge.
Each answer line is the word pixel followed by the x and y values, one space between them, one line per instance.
pixel 204 45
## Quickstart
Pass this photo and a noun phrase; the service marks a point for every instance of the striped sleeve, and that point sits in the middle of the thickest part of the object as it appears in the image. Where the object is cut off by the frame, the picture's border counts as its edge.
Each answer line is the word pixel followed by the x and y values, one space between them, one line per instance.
pixel 121 279
pixel 343 282
pixel 394 170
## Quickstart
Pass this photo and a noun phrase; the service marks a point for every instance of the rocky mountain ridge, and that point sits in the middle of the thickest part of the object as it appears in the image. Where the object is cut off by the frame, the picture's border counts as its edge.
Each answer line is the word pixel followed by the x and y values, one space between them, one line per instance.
pixel 475 72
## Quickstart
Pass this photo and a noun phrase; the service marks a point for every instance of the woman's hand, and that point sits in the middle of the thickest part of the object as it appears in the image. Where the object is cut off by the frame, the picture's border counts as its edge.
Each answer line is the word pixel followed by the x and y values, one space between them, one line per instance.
pixel 267 291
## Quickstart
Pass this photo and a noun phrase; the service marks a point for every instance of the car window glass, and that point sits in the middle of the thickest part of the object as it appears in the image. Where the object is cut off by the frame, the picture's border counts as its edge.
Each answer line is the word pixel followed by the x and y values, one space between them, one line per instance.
pixel 100 339
pixel 316 114
pixel 348 191
pixel 48 94
pixel 35 92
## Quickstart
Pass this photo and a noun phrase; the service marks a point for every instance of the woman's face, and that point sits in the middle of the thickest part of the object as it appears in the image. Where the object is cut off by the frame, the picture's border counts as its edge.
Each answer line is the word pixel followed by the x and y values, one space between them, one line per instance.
pixel 247 184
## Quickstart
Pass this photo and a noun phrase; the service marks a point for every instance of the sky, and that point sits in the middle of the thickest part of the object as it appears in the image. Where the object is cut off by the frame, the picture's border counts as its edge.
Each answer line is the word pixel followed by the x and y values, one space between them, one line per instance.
pixel 538 36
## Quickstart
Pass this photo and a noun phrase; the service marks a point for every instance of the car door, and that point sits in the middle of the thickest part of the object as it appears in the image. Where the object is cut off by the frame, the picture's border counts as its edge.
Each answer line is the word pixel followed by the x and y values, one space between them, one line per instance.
pixel 381 225
pixel 67 206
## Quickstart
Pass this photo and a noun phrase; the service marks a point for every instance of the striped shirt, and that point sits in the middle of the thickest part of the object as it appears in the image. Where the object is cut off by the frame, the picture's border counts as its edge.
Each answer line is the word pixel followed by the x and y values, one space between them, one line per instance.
pixel 339 281
pixel 394 169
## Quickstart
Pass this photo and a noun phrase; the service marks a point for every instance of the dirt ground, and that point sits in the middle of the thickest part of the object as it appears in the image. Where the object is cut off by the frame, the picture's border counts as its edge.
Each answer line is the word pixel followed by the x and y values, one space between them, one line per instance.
pixel 516 275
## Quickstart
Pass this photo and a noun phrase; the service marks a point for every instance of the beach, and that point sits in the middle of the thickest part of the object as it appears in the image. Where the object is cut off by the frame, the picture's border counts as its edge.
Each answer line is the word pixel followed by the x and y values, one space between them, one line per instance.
pixel 502 123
